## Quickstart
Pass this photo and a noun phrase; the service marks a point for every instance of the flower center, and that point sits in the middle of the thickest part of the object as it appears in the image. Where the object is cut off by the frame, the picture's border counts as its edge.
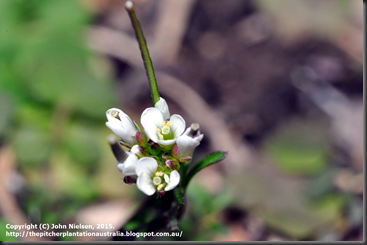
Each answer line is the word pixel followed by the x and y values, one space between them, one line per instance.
pixel 165 131
pixel 157 180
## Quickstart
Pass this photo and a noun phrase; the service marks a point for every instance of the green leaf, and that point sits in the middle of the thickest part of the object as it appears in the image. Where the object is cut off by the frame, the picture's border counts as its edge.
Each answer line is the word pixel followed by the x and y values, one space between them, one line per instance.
pixel 205 162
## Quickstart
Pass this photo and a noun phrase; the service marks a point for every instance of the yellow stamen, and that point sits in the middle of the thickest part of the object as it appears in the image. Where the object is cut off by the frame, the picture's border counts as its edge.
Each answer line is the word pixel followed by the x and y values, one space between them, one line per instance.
pixel 159 187
pixel 164 123
pixel 168 123
pixel 160 135
pixel 158 174
pixel 158 130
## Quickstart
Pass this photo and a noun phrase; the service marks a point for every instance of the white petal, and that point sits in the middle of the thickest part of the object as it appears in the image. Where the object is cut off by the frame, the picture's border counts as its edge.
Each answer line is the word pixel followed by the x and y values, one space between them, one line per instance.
pixel 165 142
pixel 127 124
pixel 145 184
pixel 116 127
pixel 135 149
pixel 151 119
pixel 166 178
pixel 187 131
pixel 177 125
pixel 127 168
pixel 174 179
pixel 120 166
pixel 163 107
pixel 152 115
pixel 146 165
pixel 186 146
pixel 130 164
pixel 199 136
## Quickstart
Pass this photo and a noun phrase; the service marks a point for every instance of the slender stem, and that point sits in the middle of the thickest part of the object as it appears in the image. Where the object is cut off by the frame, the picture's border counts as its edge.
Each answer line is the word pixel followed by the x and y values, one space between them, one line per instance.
pixel 144 52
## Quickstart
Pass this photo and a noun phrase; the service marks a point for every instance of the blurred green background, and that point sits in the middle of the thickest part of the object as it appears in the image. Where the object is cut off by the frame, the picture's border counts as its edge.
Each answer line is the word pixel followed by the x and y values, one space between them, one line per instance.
pixel 54 93
pixel 54 90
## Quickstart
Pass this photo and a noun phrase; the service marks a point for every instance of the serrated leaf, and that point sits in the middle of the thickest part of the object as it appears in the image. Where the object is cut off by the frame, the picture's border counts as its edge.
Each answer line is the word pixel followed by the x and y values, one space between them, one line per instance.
pixel 205 162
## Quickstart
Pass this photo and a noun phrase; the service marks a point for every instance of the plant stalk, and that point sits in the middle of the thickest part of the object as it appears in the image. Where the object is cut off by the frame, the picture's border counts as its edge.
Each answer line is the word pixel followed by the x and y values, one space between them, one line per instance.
pixel 129 6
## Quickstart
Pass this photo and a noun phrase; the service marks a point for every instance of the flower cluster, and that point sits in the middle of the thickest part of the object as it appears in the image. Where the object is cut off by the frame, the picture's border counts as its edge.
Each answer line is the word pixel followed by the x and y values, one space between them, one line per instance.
pixel 153 162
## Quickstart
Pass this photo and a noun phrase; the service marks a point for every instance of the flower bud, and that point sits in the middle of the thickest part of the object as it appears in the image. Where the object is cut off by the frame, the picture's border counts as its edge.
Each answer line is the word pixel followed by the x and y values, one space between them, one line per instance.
pixel 154 148
pixel 172 164
pixel 165 155
pixel 141 139
pixel 121 125
pixel 174 151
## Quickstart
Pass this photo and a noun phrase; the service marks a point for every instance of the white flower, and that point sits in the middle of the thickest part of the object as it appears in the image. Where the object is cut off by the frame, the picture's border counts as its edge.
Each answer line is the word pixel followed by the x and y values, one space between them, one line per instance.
pixel 159 126
pixel 150 180
pixel 121 125
pixel 127 168
pixel 187 143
